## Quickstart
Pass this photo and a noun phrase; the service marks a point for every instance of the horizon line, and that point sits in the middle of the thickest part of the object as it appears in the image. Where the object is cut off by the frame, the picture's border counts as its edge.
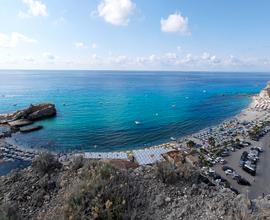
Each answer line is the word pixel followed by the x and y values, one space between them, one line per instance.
pixel 158 70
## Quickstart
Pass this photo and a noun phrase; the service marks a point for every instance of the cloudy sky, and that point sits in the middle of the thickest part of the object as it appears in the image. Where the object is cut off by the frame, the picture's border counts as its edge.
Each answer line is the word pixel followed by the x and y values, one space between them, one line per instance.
pixel 224 35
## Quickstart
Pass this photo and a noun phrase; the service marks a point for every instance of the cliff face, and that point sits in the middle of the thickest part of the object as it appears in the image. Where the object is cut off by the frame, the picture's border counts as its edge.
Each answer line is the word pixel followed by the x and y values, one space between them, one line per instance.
pixel 96 190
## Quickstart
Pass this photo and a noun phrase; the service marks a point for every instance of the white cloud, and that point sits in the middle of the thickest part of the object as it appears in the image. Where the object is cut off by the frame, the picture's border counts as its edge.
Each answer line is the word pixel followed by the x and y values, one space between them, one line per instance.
pixel 29 59
pixel 79 45
pixel 205 56
pixel 49 56
pixel 171 55
pixel 14 40
pixel 175 23
pixel 35 8
pixel 116 12
pixel 94 45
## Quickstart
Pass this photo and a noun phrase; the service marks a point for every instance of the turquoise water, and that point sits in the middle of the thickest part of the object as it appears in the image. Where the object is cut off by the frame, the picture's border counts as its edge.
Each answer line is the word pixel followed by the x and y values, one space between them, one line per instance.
pixel 97 110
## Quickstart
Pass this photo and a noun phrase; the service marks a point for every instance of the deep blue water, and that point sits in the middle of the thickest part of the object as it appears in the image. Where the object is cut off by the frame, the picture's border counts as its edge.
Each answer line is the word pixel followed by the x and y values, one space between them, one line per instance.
pixel 97 110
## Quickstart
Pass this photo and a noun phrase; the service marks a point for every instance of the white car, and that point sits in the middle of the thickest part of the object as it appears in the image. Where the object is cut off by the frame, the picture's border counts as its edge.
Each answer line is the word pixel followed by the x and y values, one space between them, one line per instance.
pixel 211 170
pixel 228 172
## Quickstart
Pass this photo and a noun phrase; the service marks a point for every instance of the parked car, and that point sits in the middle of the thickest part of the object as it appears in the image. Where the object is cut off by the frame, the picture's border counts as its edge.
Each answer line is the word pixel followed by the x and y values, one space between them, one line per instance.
pixel 235 175
pixel 228 172
pixel 224 168
pixel 259 149
pixel 244 155
pixel 234 190
pixel 225 154
pixel 243 181
pixel 222 161
pixel 242 162
pixel 249 169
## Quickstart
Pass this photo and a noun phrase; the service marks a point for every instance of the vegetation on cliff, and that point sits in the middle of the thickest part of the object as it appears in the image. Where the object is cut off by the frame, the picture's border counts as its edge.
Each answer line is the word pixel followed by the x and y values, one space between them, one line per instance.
pixel 87 189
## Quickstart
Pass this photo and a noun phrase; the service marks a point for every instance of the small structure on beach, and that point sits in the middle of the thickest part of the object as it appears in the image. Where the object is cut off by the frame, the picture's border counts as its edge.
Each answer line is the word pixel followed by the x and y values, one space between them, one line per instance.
pixel 104 155
pixel 150 156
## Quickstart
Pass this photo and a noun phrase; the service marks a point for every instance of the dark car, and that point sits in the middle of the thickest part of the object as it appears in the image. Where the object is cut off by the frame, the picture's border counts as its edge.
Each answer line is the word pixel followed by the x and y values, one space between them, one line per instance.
pixel 249 169
pixel 239 146
pixel 205 180
pixel 216 176
pixel 234 190
pixel 244 155
pixel 243 181
pixel 225 154
pixel 242 163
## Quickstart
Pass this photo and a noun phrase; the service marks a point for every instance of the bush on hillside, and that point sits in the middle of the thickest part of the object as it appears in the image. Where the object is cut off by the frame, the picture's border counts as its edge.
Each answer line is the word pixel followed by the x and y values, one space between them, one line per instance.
pixel 46 163
pixel 170 174
pixel 77 162
pixel 103 192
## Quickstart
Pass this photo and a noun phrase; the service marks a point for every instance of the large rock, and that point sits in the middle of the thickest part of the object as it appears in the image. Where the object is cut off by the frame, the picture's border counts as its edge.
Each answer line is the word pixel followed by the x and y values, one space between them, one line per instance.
pixel 20 123
pixel 42 111
pixel 32 113
pixel 31 128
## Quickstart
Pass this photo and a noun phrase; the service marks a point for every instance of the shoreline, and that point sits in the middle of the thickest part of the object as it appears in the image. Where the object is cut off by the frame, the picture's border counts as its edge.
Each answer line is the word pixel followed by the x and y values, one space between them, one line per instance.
pixel 230 128
pixel 167 144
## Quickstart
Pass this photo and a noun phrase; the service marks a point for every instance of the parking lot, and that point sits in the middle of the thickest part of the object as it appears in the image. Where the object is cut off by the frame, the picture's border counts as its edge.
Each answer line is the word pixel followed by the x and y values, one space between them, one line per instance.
pixel 261 182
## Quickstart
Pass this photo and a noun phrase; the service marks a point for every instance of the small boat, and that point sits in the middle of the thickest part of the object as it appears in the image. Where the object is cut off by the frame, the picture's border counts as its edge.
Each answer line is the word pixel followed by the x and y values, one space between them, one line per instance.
pixel 137 122
pixel 173 139
pixel 173 106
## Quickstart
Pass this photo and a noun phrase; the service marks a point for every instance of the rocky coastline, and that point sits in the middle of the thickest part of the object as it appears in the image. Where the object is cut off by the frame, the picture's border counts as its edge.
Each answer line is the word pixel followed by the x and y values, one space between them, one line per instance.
pixel 22 121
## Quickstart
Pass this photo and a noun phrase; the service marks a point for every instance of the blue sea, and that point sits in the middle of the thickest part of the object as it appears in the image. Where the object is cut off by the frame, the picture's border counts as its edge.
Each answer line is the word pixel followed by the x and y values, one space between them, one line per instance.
pixel 118 110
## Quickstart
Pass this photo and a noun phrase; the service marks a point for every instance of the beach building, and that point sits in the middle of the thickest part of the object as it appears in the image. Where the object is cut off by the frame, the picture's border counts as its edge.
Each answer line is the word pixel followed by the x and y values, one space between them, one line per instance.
pixel 150 156
pixel 104 155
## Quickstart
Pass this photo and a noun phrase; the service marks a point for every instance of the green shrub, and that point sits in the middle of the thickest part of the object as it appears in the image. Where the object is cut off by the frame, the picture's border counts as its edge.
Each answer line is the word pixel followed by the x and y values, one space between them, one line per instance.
pixel 77 162
pixel 171 174
pixel 97 195
pixel 166 172
pixel 46 163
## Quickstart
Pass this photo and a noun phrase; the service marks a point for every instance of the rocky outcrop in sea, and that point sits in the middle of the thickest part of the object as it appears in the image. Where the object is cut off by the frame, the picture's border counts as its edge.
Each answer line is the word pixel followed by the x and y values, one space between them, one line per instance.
pixel 32 113
pixel 22 121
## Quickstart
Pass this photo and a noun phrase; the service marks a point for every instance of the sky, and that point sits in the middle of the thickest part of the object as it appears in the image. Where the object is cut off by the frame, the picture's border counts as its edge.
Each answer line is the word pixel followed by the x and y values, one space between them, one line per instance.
pixel 181 35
